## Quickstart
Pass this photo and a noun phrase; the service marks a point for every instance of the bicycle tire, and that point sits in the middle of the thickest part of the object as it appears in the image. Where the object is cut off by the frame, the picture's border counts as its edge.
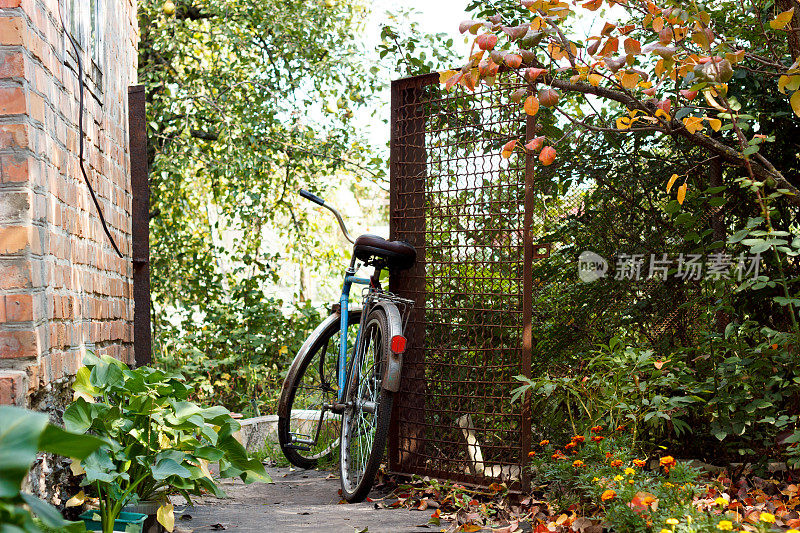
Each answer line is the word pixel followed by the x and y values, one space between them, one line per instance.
pixel 324 337
pixel 357 471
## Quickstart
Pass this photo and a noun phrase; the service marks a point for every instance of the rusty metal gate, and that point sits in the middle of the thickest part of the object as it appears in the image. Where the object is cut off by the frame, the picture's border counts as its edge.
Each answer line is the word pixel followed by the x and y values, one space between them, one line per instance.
pixel 496 286
pixel 469 214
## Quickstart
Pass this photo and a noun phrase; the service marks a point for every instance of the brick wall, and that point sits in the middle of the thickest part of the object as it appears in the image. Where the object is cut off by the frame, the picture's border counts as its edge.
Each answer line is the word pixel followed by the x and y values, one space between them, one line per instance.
pixel 63 290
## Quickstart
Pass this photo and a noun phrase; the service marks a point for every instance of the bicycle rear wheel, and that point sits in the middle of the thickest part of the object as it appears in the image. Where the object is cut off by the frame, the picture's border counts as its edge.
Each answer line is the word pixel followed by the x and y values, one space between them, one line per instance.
pixel 365 423
pixel 311 382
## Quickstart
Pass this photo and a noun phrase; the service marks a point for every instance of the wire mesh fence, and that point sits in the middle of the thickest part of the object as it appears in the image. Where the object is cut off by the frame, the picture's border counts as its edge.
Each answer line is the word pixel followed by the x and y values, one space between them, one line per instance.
pixel 496 286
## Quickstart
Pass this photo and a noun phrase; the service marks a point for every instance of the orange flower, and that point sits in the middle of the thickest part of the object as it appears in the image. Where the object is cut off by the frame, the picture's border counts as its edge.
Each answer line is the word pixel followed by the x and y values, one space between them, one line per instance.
pixel 616 462
pixel 578 438
pixel 544 443
pixel 620 428
pixel 609 455
pixel 577 463
pixel 608 495
pixel 597 429
pixel 667 461
pixel 570 445
pixel 558 455
pixel 531 454
pixel 597 438
pixel 639 463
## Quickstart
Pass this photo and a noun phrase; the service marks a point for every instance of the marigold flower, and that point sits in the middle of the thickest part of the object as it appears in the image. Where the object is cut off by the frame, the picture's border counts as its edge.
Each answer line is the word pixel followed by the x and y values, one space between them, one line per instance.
pixel 667 461
pixel 630 482
pixel 577 463
pixel 725 525
pixel 569 445
pixel 639 463
pixel 597 429
pixel 620 428
pixel 544 442
pixel 793 531
pixel 595 479
pixel 558 455
pixel 531 454
pixel 672 521
pixel 629 471
pixel 609 455
pixel 578 438
pixel 721 502
pixel 616 462
pixel 608 495
pixel 767 517
pixel 597 438
pixel 618 478
pixel 665 531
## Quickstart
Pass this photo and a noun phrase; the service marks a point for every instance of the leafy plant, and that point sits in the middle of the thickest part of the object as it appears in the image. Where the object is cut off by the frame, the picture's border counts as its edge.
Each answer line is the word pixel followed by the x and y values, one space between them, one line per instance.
pixel 22 434
pixel 157 440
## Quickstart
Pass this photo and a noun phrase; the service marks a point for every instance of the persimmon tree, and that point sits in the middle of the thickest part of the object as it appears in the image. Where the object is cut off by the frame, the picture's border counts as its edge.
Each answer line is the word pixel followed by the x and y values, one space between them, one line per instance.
pixel 669 67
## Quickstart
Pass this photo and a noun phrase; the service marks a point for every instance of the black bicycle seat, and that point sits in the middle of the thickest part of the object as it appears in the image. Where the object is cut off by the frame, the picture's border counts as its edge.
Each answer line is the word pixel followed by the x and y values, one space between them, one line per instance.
pixel 398 255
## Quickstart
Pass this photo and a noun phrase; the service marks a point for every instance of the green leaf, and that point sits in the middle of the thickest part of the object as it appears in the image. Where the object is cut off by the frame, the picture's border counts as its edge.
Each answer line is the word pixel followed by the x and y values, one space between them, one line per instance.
pixel 168 467
pixel 19 440
pixel 56 440
pixel 44 511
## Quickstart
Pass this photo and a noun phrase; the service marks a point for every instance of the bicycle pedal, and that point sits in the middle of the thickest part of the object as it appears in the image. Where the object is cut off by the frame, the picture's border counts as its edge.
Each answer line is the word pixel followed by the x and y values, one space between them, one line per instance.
pixel 299 438
pixel 300 447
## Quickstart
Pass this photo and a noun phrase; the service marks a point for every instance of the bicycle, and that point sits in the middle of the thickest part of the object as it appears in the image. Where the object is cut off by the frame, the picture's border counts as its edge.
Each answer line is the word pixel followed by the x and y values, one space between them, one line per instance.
pixel 354 382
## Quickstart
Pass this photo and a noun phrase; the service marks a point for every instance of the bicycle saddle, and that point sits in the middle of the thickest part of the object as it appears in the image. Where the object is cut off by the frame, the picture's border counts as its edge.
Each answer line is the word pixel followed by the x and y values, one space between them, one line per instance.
pixel 398 255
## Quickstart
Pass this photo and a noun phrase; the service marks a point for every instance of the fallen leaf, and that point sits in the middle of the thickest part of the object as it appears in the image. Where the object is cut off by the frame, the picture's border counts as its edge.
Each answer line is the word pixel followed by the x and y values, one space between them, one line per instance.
pixel 76 500
pixel 166 516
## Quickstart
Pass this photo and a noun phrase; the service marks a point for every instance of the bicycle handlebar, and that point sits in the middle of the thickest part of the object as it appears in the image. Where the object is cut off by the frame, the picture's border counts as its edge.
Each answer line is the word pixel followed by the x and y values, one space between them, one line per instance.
pixel 319 201
pixel 313 197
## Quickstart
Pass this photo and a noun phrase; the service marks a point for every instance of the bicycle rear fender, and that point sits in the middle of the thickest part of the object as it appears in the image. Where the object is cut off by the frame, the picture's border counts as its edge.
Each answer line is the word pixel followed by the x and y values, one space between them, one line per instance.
pixel 394 363
pixel 332 321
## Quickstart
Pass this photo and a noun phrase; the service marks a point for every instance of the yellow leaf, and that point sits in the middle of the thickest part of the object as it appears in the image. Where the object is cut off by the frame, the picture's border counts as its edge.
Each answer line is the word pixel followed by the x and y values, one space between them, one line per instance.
pixel 788 82
pixel 715 123
pixel 531 105
pixel 682 193
pixel 795 103
pixel 76 468
pixel 693 124
pixel 446 75
pixel 629 79
pixel 708 95
pixel 469 528
pixel 166 516
pixel 658 24
pixel 780 22
pixel 662 113
pixel 623 123
pixel 76 500
pixel 671 181
pixel 204 469
pixel 595 79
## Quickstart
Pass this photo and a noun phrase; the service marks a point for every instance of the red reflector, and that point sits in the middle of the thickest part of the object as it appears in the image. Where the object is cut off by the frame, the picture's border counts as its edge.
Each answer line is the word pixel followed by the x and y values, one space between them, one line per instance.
pixel 398 344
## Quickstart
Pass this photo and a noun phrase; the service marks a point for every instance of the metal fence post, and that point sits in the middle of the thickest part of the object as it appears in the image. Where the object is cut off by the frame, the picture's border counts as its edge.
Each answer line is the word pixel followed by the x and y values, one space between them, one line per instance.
pixel 137 135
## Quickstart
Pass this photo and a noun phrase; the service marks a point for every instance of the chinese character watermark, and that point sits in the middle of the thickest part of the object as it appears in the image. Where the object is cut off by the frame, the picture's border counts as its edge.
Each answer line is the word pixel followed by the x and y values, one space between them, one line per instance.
pixel 690 267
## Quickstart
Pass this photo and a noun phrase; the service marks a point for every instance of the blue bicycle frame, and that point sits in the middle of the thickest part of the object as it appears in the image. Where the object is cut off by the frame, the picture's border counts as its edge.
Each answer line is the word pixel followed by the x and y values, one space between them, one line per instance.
pixel 344 321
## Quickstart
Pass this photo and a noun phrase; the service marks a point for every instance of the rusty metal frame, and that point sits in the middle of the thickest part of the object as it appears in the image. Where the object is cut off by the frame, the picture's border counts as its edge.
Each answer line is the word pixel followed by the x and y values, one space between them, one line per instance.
pixel 140 187
pixel 428 435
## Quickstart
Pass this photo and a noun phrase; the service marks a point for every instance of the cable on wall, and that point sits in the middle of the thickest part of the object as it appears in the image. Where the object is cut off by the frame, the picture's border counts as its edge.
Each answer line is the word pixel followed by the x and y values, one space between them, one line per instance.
pixel 82 134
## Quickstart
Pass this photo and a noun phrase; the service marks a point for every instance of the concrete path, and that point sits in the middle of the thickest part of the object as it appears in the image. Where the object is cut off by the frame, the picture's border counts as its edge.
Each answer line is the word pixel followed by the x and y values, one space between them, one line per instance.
pixel 299 500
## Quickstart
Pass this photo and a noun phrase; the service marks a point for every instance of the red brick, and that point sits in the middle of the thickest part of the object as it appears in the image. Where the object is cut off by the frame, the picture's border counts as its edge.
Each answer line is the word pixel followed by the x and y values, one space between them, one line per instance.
pixel 13 31
pixel 33 377
pixel 15 239
pixel 37 106
pixel 12 101
pixel 18 344
pixel 12 64
pixel 13 135
pixel 12 386
pixel 19 307
pixel 14 168
pixel 16 275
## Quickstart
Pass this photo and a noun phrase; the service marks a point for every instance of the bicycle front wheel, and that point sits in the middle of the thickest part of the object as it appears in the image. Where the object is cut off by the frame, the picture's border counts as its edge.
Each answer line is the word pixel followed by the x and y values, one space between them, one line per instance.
pixel 365 422
pixel 308 435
